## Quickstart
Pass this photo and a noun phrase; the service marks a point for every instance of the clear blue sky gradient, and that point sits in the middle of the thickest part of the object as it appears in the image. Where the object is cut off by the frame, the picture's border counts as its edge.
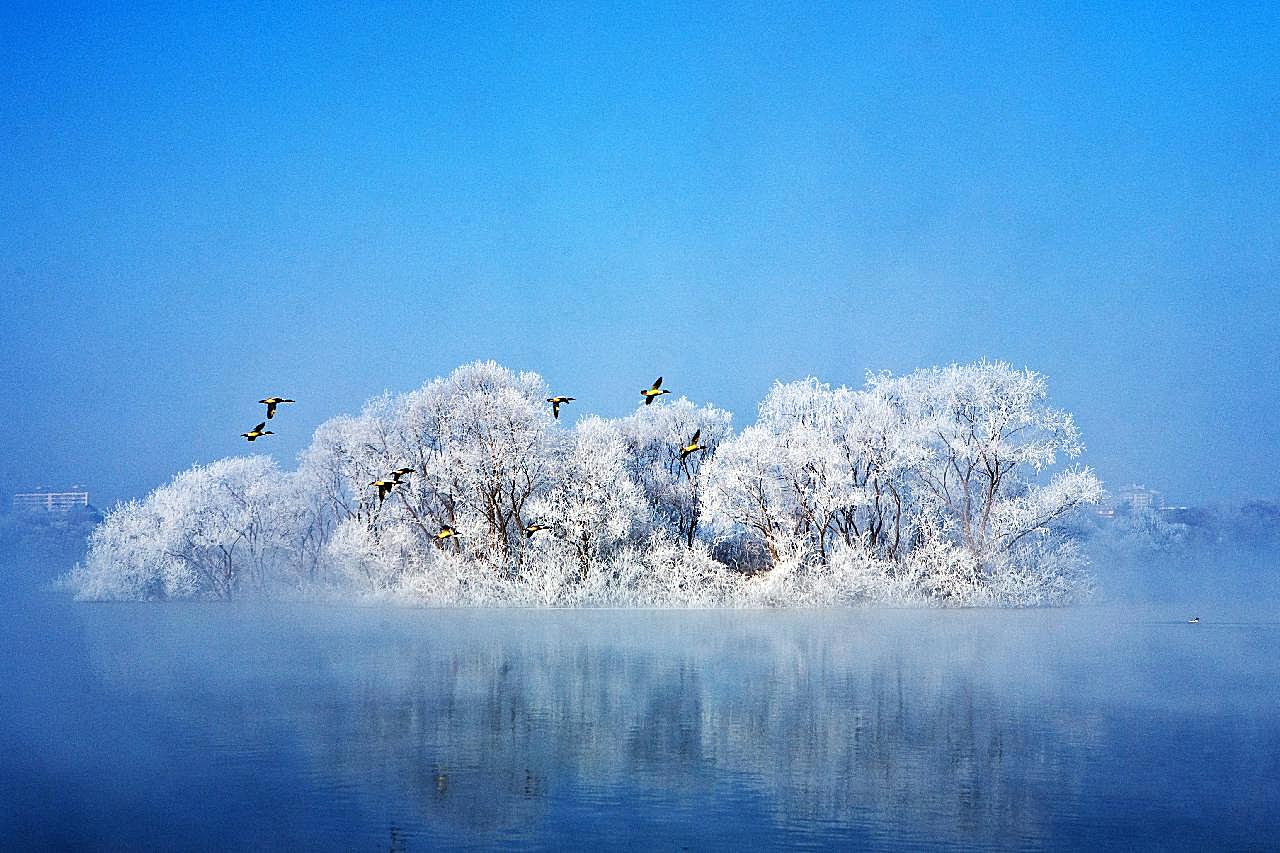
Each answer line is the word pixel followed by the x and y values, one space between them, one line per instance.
pixel 202 206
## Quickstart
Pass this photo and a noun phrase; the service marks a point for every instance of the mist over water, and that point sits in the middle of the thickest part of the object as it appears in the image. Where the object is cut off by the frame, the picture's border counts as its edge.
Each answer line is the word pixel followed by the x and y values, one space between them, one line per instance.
pixel 319 727
pixel 1231 580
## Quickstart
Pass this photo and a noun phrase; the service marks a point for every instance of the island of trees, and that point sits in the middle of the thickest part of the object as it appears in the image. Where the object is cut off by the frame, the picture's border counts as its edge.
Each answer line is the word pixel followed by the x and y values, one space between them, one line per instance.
pixel 940 486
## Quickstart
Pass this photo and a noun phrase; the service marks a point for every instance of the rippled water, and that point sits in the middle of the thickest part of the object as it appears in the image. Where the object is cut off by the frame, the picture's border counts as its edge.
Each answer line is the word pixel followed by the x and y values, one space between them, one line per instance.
pixel 312 727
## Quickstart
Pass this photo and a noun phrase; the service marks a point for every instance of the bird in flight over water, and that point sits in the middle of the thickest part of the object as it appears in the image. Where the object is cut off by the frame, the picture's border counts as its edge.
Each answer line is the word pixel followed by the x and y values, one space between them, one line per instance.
pixel 384 488
pixel 692 446
pixel 272 402
pixel 555 404
pixel 650 393
pixel 257 432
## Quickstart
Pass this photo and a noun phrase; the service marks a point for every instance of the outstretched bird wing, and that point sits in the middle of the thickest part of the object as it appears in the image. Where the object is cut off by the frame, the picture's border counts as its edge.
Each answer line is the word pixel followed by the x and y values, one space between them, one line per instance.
pixel 657 383
pixel 696 434
pixel 259 427
pixel 271 410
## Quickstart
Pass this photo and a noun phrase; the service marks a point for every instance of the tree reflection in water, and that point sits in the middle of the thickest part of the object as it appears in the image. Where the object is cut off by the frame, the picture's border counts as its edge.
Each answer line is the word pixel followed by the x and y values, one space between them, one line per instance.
pixel 511 727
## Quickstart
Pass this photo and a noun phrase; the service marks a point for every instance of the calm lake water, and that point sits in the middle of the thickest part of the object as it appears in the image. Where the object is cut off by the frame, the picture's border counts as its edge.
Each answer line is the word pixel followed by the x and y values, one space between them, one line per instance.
pixel 201 726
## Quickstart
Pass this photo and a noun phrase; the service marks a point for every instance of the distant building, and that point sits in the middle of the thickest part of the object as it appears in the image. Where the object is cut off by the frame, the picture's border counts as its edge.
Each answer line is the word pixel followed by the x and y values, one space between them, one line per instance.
pixel 1138 498
pixel 49 501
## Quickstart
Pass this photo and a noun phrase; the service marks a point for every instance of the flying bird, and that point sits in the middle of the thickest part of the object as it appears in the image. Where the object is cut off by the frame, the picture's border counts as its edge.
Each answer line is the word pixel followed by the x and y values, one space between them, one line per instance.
pixel 534 528
pixel 384 488
pixel 399 474
pixel 272 402
pixel 692 446
pixel 555 404
pixel 257 432
pixel 1194 620
pixel 446 532
pixel 650 393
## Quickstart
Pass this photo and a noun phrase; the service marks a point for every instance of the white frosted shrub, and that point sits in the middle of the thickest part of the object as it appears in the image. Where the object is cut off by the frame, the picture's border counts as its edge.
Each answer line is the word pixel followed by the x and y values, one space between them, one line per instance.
pixel 1044 570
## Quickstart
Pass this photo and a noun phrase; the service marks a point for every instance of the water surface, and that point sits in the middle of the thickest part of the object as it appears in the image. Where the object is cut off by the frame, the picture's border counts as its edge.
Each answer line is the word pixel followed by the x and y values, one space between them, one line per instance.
pixel 316 727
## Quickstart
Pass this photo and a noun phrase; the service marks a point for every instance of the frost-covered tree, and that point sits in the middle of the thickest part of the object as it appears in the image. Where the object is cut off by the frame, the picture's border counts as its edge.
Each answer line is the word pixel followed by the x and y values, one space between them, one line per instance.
pixel 212 531
pixel 906 471
pixel 483 440
pixel 748 487
pixel 127 557
pixel 672 481
pixel 882 447
pixel 821 466
pixel 990 431
pixel 594 507
pixel 480 444
pixel 332 467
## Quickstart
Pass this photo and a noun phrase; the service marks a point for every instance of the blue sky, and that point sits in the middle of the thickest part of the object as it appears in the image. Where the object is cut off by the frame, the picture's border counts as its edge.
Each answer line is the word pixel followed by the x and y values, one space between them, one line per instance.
pixel 200 206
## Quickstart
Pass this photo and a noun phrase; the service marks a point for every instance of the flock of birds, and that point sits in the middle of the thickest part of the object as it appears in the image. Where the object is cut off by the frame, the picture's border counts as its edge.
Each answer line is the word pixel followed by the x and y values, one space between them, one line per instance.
pixel 261 429
pixel 384 485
